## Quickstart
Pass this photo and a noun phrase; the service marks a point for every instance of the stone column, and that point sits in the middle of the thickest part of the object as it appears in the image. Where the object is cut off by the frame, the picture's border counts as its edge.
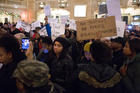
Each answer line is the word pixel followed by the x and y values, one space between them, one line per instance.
pixel 12 18
pixel 31 12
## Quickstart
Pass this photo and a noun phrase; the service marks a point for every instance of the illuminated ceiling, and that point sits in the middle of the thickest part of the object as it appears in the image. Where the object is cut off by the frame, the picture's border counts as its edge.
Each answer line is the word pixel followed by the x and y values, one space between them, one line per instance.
pixel 23 3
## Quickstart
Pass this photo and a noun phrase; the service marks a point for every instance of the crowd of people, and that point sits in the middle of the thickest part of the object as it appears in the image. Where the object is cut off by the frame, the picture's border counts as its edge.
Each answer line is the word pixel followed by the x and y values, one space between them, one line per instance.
pixel 66 65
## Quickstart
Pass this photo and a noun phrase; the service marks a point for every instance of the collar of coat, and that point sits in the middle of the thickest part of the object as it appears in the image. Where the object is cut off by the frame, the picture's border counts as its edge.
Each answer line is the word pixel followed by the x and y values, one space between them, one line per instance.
pixel 92 81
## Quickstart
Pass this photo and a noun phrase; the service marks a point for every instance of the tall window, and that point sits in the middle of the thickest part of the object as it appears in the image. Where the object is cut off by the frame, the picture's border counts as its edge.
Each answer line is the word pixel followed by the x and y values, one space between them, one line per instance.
pixel 78 12
pixel 134 1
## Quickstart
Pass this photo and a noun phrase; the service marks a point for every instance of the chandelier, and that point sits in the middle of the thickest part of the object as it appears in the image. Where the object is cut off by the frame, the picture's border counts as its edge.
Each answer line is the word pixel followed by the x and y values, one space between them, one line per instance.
pixel 136 2
pixel 63 3
pixel 41 5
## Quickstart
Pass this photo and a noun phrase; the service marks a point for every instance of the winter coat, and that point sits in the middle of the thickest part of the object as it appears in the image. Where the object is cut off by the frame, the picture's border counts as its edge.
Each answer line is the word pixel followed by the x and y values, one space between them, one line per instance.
pixel 61 71
pixel 98 78
pixel 131 80
pixel 7 83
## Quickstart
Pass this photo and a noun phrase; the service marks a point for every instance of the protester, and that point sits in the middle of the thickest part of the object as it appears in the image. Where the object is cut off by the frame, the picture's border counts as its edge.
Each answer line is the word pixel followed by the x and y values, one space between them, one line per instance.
pixel 98 76
pixel 117 45
pixel 1 25
pixel 48 28
pixel 36 41
pixel 27 34
pixel 61 65
pixel 14 30
pixel 2 31
pixel 33 76
pixel 19 36
pixel 36 32
pixel 87 55
pixel 45 51
pixel 99 65
pixel 131 70
pixel 76 50
pixel 41 25
pixel 10 55
pixel 107 41
pixel 6 27
pixel 67 33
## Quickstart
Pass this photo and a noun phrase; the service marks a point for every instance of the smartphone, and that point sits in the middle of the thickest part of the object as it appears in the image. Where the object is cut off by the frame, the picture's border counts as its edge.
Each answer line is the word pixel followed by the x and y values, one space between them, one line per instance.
pixel 25 43
pixel 130 27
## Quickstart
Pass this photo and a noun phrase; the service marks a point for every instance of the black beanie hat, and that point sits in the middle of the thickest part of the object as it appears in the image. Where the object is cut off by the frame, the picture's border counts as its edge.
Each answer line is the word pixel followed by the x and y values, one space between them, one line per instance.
pixel 65 43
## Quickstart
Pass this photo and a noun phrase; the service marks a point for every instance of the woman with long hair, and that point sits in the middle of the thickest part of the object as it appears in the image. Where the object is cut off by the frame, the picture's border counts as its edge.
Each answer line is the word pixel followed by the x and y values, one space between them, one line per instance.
pixel 131 70
pixel 10 55
pixel 62 65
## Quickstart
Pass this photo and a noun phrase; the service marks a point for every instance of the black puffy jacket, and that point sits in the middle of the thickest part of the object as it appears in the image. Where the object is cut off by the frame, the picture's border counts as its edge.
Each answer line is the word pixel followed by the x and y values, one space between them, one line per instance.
pixel 61 71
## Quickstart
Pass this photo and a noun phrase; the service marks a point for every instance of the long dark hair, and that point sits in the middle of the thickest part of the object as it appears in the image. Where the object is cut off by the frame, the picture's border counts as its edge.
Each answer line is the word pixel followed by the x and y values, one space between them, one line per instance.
pixel 11 44
pixel 65 45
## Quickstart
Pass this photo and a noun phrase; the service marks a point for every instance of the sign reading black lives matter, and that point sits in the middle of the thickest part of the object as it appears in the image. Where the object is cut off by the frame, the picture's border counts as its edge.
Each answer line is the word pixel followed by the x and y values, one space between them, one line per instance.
pixel 88 29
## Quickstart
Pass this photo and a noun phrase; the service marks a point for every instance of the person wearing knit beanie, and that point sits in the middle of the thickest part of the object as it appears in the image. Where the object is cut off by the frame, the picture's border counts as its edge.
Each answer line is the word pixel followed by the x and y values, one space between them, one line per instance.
pixel 61 67
pixel 65 43
pixel 87 47
pixel 87 51
pixel 87 55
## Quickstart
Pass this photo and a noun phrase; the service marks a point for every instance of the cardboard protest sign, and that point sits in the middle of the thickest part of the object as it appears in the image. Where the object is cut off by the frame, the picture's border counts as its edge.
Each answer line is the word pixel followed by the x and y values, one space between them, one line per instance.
pixel 120 28
pixel 47 10
pixel 89 29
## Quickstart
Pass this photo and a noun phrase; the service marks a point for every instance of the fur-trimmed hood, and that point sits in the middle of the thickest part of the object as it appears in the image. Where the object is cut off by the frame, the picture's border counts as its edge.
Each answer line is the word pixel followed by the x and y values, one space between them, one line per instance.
pixel 100 76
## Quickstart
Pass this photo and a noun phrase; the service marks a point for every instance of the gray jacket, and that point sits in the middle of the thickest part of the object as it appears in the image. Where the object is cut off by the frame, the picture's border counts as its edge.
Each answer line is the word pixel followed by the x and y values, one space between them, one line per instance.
pixel 131 80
